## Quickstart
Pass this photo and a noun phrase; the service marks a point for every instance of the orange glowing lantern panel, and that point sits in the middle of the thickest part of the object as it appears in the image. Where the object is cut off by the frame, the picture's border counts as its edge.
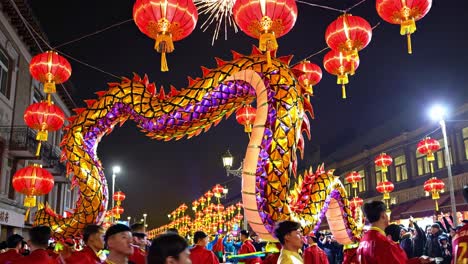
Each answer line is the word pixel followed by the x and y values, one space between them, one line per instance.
pixel 32 181
pixel 165 21
pixel 50 68
pixel 427 147
pixel 403 13
pixel 336 63
pixel 311 75
pixel 246 117
pixel 353 177
pixel 383 161
pixel 348 34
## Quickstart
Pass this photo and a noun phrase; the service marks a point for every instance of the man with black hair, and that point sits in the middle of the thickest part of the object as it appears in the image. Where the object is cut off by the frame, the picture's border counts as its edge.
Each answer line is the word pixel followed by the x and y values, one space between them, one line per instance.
pixel 38 241
pixel 433 248
pixel 248 247
pixel 199 254
pixel 169 248
pixel 93 236
pixel 119 242
pixel 139 239
pixel 14 244
pixel 290 236
pixel 374 246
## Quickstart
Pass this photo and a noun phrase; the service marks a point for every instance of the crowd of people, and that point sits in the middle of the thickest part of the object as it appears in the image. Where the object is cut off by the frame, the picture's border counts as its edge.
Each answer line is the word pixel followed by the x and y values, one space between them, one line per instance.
pixel 382 242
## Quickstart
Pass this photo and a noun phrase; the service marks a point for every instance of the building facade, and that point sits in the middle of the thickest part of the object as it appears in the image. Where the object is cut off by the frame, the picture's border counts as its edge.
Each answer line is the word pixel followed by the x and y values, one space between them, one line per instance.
pixel 17 142
pixel 409 169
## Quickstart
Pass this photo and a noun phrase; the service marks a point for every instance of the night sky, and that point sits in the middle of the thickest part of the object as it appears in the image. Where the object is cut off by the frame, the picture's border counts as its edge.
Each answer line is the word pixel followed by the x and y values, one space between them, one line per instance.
pixel 158 176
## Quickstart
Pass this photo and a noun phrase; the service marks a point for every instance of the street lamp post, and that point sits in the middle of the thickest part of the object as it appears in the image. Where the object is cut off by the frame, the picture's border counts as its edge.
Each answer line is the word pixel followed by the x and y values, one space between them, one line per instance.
pixel 128 219
pixel 438 113
pixel 144 220
pixel 115 171
pixel 228 160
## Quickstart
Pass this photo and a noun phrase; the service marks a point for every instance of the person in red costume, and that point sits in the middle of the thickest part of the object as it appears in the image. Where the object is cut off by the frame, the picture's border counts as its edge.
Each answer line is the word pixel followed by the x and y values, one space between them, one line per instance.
pixel 14 245
pixel 460 240
pixel 93 236
pixel 374 246
pixel 38 241
pixel 247 247
pixel 199 254
pixel 350 254
pixel 139 240
pixel 313 254
pixel 273 249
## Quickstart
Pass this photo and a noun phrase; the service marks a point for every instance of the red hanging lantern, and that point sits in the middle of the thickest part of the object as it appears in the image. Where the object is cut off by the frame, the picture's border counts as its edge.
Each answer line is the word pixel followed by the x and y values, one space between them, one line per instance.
pixel 195 204
pixel 265 20
pixel 239 217
pixel 119 197
pixel 208 196
pixel 44 117
pixel 117 210
pixel 207 210
pixel 353 177
pixel 50 68
pixel 198 214
pixel 385 187
pixel 383 161
pixel 356 202
pixel 202 201
pixel 404 13
pixel 183 207
pixel 32 181
pixel 348 34
pixel 218 190
pixel 335 63
pixel 219 208
pixel 312 74
pixel 427 147
pixel 165 21
pixel 434 186
pixel 246 117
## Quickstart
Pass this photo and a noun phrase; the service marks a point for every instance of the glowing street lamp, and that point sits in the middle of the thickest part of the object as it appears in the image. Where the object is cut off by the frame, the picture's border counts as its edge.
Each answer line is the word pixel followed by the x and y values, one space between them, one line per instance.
pixel 438 113
pixel 228 160
pixel 115 171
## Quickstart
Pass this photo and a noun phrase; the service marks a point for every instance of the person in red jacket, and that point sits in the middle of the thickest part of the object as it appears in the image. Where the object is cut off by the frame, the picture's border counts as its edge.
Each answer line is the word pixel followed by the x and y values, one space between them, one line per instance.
pixel 313 254
pixel 460 240
pixel 374 246
pixel 273 249
pixel 139 239
pixel 247 247
pixel 38 241
pixel 93 236
pixel 14 245
pixel 199 254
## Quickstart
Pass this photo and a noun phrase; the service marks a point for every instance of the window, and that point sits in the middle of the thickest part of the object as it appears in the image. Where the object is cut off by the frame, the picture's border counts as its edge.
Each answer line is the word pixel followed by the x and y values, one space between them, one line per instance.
pixel 423 164
pixel 440 155
pixel 4 63
pixel 401 173
pixel 378 174
pixel 362 183
pixel 465 141
pixel 439 163
pixel 348 189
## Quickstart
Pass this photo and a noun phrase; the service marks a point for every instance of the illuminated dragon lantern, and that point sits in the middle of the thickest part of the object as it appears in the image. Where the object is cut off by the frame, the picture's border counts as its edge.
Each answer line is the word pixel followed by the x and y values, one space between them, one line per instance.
pixel 270 161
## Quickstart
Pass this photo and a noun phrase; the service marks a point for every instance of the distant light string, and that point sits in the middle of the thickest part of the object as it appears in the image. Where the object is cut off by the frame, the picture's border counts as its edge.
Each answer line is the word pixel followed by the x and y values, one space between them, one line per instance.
pixel 31 30
pixel 93 33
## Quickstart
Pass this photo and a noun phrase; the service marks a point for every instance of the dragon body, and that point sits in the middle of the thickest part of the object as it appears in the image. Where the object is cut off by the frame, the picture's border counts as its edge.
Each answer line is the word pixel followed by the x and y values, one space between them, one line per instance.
pixel 270 158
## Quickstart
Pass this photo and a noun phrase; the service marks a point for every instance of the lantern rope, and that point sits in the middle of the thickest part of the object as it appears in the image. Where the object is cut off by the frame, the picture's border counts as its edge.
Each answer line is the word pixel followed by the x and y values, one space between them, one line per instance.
pixel 322 6
pixel 93 33
pixel 355 5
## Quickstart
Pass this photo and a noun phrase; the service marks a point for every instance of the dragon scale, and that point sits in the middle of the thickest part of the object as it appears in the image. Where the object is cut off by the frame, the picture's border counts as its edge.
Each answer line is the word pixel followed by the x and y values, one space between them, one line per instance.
pixel 270 156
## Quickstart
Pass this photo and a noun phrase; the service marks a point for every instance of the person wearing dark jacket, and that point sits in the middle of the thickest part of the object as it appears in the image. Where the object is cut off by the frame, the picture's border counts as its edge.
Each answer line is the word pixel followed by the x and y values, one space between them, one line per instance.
pixel 444 243
pixel 433 248
pixel 406 243
pixel 419 240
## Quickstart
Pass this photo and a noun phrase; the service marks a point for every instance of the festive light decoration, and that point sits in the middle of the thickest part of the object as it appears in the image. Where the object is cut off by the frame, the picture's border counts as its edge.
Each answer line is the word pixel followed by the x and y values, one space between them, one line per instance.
pixel 44 117
pixel 336 63
pixel 348 34
pixel 434 186
pixel 383 161
pixel 310 76
pixel 218 191
pixel 208 196
pixel 51 69
pixel 246 117
pixel 219 13
pixel 32 181
pixel 427 147
pixel 265 20
pixel 165 21
pixel 385 187
pixel 356 202
pixel 195 204
pixel 404 13
pixel 353 177
pixel 119 197
pixel 117 211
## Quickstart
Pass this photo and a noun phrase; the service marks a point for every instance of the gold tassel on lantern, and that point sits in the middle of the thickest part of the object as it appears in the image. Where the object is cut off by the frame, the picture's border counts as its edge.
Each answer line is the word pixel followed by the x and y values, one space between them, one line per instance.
pixel 49 87
pixel 343 79
pixel 407 28
pixel 164 43
pixel 267 40
pixel 29 201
